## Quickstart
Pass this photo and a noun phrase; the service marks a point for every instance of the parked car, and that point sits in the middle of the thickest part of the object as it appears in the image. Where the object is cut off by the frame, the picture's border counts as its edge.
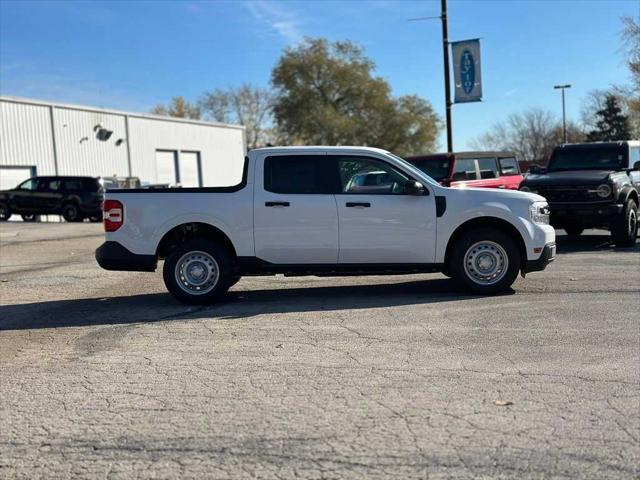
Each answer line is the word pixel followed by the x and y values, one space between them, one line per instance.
pixel 471 169
pixel 75 198
pixel 305 211
pixel 592 185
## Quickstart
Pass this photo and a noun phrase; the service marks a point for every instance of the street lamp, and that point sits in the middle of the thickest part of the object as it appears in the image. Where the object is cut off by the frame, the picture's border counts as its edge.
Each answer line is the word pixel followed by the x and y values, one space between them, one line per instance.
pixel 564 122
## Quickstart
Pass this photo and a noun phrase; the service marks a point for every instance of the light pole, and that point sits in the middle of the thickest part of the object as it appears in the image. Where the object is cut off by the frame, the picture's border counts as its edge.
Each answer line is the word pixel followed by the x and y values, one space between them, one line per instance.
pixel 564 121
pixel 447 87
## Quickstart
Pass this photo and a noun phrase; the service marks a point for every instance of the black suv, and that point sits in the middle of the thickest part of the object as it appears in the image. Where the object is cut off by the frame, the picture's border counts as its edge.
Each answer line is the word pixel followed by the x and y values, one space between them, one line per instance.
pixel 591 185
pixel 75 198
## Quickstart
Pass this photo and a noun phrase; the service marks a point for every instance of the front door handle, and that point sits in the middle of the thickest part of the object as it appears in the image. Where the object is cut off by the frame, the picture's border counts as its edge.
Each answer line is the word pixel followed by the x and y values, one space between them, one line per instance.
pixel 276 204
pixel 359 204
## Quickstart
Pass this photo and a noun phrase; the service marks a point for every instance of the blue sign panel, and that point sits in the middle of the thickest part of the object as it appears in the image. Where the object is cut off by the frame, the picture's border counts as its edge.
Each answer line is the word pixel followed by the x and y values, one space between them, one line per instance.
pixel 466 71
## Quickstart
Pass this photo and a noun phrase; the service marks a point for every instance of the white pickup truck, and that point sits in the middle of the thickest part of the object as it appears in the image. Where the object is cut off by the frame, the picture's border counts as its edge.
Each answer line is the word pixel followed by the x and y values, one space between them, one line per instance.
pixel 325 211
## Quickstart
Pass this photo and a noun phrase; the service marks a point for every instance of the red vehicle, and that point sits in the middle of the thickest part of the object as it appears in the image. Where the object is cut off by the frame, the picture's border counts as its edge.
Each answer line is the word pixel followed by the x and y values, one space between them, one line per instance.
pixel 471 169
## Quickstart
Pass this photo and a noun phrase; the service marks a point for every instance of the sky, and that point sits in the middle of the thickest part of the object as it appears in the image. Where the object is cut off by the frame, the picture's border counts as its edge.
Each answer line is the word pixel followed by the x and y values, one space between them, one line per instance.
pixel 131 55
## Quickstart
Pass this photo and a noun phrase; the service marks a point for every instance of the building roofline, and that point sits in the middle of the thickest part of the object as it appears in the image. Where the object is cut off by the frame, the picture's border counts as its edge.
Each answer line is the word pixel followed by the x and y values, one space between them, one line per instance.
pixel 84 108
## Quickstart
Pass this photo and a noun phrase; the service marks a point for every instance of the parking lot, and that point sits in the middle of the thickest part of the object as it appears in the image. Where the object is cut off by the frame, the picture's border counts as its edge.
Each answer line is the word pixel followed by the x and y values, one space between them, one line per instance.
pixel 104 375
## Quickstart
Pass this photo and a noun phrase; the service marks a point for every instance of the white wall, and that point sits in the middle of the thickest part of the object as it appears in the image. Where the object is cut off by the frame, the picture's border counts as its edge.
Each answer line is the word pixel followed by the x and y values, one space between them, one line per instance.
pixel 25 136
pixel 26 139
pixel 221 149
pixel 80 152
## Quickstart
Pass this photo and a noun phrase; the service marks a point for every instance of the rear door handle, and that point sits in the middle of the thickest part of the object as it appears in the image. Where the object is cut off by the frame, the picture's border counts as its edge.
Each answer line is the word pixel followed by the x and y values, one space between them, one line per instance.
pixel 358 204
pixel 276 204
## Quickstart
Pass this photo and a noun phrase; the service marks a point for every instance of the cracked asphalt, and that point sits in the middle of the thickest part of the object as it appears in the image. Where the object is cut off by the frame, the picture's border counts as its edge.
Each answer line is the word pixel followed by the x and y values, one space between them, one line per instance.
pixel 103 375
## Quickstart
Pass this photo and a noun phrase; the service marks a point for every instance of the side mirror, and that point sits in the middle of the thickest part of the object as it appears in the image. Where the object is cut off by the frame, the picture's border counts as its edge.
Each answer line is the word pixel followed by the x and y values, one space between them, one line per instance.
pixel 636 166
pixel 535 169
pixel 413 187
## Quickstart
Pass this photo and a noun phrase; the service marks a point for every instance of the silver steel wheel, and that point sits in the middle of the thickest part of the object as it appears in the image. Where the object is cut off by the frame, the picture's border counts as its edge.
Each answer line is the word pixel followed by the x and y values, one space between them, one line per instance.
pixel 486 262
pixel 197 272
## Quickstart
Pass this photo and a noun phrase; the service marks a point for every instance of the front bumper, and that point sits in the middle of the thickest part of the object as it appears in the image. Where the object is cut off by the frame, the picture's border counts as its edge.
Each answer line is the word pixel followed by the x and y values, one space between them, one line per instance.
pixel 584 214
pixel 548 255
pixel 113 256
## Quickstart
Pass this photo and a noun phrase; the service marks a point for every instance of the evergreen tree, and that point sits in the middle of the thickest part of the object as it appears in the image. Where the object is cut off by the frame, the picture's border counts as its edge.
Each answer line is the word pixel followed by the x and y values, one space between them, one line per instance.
pixel 611 123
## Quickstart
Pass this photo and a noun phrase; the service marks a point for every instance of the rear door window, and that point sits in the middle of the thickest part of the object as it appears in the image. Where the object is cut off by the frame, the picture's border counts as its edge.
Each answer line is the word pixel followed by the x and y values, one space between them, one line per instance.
pixel 73 184
pixel 465 169
pixel 310 174
pixel 509 166
pixel 488 168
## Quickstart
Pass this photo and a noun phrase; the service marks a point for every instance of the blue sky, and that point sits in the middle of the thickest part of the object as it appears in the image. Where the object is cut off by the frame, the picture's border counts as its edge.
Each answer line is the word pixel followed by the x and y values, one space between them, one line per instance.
pixel 131 55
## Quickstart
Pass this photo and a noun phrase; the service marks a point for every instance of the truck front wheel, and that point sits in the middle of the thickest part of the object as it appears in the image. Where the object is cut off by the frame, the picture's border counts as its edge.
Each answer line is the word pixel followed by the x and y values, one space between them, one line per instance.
pixel 624 228
pixel 485 261
pixel 198 272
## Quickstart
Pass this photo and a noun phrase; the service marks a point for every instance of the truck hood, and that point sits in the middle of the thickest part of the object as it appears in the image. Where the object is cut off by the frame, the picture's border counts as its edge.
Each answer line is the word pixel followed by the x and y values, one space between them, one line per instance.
pixel 569 178
pixel 494 194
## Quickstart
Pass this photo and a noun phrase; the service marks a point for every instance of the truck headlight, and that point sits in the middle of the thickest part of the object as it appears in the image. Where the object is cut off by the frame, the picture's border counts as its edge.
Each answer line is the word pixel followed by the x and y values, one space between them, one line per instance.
pixel 539 213
pixel 603 191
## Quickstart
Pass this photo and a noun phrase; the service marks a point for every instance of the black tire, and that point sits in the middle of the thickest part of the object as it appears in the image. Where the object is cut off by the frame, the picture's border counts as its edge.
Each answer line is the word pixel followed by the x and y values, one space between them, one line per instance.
pixel 95 218
pixel 5 212
pixel 485 243
pixel 574 231
pixel 234 280
pixel 29 217
pixel 181 289
pixel 71 213
pixel 624 228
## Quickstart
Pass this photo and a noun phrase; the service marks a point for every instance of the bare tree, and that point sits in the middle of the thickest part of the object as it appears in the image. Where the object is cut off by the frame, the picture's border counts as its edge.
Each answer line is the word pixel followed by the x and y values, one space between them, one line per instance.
pixel 180 108
pixel 246 105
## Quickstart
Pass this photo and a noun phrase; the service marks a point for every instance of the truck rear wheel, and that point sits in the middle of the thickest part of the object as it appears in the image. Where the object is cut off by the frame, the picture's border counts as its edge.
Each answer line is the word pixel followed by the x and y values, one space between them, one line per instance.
pixel 485 261
pixel 198 272
pixel 624 228
pixel 71 213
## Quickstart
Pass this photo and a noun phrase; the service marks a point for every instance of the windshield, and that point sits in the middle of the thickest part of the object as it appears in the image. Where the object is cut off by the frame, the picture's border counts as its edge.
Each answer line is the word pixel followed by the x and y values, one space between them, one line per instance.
pixel 592 158
pixel 436 169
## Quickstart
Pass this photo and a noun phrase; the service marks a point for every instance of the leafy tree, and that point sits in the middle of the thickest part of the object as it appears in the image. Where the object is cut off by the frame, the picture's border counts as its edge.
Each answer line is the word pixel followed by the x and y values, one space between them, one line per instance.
pixel 246 105
pixel 531 135
pixel 180 108
pixel 611 123
pixel 326 94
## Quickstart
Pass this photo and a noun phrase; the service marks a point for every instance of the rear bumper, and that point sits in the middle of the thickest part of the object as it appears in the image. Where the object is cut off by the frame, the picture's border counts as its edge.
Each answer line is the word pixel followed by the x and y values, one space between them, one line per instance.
pixel 113 256
pixel 548 255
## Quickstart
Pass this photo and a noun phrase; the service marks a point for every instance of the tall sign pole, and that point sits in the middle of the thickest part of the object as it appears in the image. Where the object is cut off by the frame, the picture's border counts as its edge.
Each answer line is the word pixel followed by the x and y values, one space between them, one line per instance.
pixel 447 80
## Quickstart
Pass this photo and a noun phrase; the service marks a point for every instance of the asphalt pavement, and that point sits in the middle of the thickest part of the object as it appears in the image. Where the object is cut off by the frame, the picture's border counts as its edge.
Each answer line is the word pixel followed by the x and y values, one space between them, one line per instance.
pixel 103 375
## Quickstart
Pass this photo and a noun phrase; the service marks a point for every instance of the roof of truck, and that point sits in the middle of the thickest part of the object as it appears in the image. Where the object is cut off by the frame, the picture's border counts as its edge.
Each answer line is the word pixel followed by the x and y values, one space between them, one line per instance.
pixel 318 148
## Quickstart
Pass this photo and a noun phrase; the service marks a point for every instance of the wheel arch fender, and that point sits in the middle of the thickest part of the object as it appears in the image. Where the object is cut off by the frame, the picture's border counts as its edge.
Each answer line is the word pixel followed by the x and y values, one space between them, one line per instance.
pixel 191 226
pixel 486 222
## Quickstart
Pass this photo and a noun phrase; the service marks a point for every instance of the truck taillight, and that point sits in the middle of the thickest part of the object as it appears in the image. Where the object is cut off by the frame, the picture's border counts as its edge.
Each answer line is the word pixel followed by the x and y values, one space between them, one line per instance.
pixel 113 215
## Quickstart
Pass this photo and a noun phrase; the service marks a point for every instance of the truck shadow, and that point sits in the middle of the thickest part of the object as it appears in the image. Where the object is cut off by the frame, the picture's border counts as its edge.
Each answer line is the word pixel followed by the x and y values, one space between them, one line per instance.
pixel 237 304
pixel 590 243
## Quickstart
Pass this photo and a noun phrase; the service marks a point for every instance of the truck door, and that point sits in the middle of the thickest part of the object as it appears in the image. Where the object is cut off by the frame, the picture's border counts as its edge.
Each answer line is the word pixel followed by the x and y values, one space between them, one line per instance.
pixel 295 214
pixel 379 223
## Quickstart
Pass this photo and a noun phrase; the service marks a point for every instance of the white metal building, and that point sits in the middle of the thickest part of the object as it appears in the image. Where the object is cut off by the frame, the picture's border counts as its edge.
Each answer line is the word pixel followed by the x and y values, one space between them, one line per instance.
pixel 42 138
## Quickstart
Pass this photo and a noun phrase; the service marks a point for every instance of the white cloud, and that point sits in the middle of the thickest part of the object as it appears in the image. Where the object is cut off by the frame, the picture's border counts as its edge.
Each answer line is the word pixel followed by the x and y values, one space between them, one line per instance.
pixel 282 20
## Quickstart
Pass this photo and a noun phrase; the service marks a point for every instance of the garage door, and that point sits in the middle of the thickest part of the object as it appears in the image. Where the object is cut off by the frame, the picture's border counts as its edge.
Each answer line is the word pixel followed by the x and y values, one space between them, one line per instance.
pixel 11 177
pixel 166 167
pixel 190 169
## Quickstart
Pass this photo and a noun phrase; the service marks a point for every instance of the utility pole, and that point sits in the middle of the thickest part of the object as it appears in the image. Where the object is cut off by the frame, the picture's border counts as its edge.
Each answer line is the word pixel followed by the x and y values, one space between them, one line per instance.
pixel 447 81
pixel 564 116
